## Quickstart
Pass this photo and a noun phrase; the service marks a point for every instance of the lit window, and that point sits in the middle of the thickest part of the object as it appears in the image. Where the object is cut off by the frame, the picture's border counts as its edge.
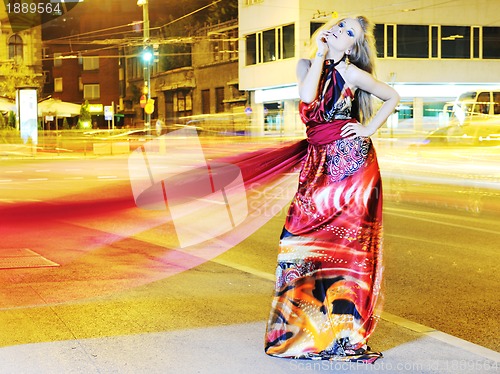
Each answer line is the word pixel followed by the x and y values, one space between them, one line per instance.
pixel 91 91
pixel 91 63
pixel 58 85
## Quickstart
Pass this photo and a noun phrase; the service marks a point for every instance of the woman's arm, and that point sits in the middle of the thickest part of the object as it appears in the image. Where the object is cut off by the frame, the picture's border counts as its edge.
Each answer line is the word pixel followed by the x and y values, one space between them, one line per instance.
pixel 308 75
pixel 309 71
pixel 365 81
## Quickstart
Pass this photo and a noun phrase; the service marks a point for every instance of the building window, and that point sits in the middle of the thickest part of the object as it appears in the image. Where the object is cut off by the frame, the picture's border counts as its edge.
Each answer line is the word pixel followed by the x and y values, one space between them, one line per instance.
pixel 288 41
pixel 57 59
pixel 225 48
pixel 434 41
pixel 476 35
pixel 91 91
pixel 217 48
pixel 315 26
pixel 413 41
pixel 91 63
pixel 390 38
pixel 455 42
pixel 233 44
pixel 219 99
pixel 270 45
pixel 279 47
pixel 378 33
pixel 205 101
pixel 464 42
pixel 251 53
pixel 491 42
pixel 46 77
pixel 15 47
pixel 58 85
pixel 181 101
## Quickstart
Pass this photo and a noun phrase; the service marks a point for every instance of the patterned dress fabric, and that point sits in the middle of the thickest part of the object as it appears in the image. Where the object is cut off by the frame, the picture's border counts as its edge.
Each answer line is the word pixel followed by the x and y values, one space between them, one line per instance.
pixel 328 277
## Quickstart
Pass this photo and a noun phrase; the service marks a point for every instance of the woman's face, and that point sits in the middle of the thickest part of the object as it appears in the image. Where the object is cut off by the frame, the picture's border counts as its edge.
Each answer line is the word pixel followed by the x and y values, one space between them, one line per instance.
pixel 343 35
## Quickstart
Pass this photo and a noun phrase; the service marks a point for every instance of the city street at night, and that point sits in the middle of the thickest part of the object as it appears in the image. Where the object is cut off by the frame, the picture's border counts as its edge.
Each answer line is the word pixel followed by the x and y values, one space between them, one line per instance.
pixel 89 275
pixel 249 186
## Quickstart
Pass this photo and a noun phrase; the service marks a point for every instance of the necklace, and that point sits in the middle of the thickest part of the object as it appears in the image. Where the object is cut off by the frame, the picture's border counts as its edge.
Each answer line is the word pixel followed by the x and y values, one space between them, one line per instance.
pixel 332 62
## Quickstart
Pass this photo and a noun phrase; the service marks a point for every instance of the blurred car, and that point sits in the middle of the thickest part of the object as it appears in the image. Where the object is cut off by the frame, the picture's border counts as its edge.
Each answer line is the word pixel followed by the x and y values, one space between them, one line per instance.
pixel 135 138
pixel 474 133
pixel 477 105
pixel 465 179
pixel 474 119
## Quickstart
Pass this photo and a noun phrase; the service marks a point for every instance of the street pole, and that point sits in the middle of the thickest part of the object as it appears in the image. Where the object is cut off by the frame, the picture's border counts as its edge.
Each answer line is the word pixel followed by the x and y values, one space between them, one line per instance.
pixel 147 63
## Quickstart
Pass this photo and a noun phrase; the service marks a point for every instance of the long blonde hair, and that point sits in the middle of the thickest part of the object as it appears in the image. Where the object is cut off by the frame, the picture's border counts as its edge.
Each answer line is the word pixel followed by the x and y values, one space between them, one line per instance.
pixel 363 55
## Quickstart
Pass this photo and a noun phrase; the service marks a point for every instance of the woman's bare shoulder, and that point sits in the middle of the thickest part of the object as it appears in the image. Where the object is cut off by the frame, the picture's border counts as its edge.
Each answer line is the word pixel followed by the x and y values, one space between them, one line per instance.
pixel 303 66
pixel 354 75
pixel 304 61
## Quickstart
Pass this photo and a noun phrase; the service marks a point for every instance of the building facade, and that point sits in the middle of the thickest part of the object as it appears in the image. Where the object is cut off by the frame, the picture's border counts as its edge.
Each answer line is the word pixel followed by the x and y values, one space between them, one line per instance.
pixel 241 74
pixel 206 92
pixel 22 47
pixel 428 50
pixel 83 56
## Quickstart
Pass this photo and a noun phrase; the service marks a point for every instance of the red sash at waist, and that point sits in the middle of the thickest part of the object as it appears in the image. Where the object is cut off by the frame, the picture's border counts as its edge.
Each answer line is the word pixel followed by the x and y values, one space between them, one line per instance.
pixel 324 133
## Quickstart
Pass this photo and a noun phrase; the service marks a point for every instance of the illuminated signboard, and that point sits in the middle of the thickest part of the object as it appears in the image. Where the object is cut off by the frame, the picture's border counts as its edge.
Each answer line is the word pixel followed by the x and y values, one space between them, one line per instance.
pixel 27 107
pixel 96 108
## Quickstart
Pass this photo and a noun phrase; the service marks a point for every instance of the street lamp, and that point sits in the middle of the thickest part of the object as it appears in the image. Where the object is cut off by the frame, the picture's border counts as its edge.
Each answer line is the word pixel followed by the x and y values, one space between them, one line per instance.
pixel 147 58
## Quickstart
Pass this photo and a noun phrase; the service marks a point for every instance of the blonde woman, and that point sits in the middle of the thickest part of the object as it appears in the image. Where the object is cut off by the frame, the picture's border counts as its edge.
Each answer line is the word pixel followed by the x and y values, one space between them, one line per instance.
pixel 328 277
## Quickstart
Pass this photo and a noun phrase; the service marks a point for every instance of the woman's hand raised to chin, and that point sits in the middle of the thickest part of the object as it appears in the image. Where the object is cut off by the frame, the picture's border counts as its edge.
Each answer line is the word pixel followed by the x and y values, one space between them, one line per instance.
pixel 321 41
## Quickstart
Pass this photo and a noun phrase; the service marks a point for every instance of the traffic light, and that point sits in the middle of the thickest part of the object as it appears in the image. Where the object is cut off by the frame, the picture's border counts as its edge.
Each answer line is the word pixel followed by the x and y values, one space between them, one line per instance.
pixel 147 54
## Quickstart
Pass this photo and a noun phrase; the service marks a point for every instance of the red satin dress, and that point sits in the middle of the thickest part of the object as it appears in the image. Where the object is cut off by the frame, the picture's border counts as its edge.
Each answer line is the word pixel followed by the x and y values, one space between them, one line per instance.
pixel 329 272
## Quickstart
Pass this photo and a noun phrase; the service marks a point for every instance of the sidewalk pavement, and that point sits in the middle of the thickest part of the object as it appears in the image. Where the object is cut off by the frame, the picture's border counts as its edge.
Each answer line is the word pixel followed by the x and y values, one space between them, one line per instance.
pixel 235 349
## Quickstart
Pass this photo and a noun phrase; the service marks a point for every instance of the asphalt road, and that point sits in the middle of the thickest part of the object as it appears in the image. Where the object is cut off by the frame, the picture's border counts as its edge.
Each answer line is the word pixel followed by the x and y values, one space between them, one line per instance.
pixel 441 262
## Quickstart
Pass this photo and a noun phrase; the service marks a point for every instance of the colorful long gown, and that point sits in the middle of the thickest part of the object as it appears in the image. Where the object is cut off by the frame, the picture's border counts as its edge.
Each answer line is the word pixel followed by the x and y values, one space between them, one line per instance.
pixel 329 270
